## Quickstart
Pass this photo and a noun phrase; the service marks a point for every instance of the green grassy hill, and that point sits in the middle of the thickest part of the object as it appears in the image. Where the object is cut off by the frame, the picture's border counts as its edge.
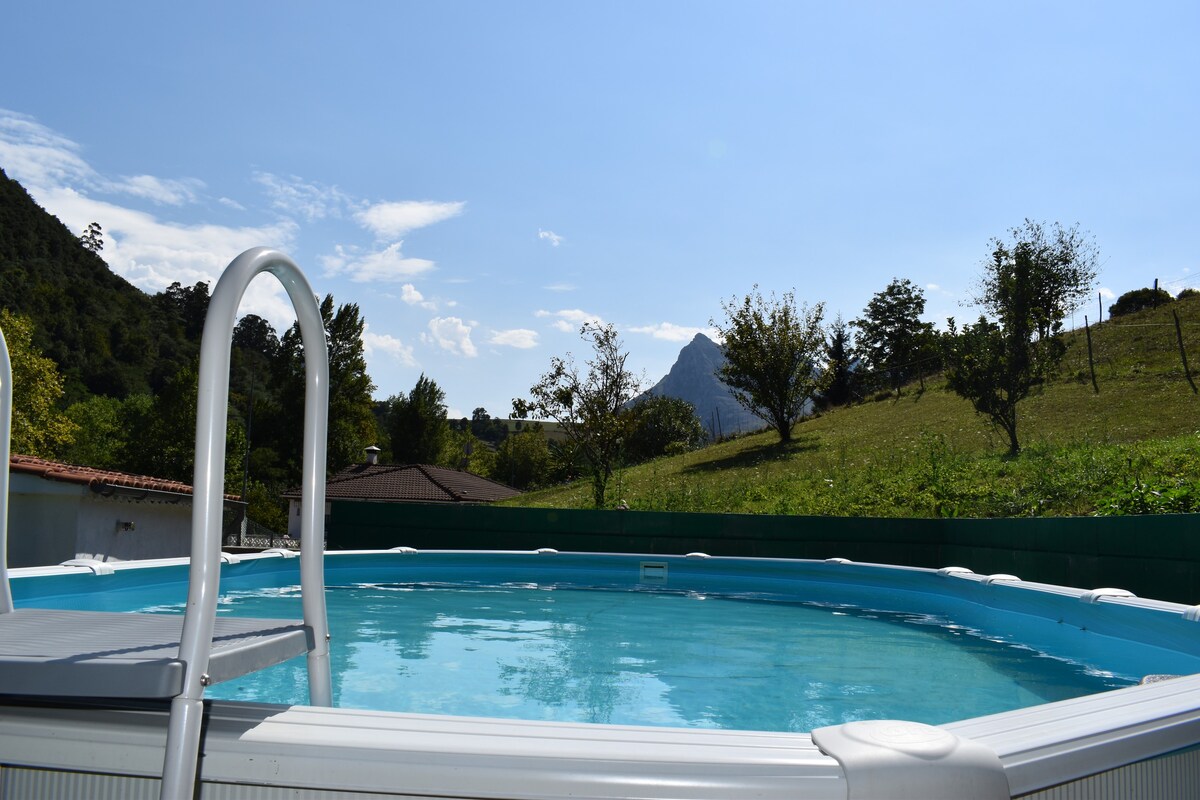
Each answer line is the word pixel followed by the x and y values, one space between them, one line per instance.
pixel 1132 448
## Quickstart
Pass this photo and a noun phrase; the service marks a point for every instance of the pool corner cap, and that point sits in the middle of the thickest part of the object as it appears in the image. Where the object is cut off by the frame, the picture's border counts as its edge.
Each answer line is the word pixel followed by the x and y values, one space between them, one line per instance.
pixel 1095 595
pixel 282 552
pixel 97 567
pixel 894 760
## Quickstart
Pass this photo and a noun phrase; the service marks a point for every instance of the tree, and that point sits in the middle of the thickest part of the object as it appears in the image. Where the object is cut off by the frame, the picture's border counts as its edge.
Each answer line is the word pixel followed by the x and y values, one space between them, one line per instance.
pixel 101 439
pixel 660 426
pixel 351 421
pixel 188 305
pixel 486 428
pixel 523 459
pixel 1040 277
pixel 773 351
pixel 1030 285
pixel 93 238
pixel 1138 300
pixel 417 424
pixel 840 369
pixel 891 333
pixel 39 428
pixel 588 407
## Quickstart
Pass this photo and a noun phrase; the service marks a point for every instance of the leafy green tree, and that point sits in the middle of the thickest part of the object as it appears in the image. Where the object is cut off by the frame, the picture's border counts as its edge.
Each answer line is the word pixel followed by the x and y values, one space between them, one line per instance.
pixel 523 459
pixel 417 424
pixel 39 428
pixel 1030 285
pixel 1038 278
pixel 93 238
pixel 101 439
pixel 588 406
pixel 187 306
pixel 842 383
pixel 351 420
pixel 661 426
pixel 484 427
pixel 1138 300
pixel 773 351
pixel 264 506
pixel 891 334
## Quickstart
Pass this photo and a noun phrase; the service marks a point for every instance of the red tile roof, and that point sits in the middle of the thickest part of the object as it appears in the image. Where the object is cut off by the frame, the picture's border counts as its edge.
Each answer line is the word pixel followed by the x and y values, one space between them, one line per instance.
pixel 94 478
pixel 411 483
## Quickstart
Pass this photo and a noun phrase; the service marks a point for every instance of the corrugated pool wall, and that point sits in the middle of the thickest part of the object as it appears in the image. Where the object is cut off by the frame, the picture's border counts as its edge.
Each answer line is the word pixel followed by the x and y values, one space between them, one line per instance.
pixel 1151 556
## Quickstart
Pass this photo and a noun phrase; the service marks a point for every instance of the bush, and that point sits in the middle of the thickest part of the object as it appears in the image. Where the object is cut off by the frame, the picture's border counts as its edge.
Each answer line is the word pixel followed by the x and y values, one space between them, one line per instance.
pixel 1138 300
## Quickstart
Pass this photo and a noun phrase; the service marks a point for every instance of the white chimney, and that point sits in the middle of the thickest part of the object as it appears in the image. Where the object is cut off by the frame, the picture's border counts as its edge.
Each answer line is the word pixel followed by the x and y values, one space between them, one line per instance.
pixel 372 454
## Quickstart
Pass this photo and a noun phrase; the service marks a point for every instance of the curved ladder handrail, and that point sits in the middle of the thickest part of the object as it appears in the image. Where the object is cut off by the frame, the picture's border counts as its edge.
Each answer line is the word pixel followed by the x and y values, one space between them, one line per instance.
pixel 183 735
pixel 6 601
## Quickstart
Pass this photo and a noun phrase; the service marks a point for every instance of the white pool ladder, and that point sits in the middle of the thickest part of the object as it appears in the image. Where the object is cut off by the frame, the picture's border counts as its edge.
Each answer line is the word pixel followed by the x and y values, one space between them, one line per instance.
pixel 53 653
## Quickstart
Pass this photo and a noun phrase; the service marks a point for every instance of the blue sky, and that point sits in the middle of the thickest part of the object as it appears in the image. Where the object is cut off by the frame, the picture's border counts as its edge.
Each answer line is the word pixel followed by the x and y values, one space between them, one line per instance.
pixel 483 177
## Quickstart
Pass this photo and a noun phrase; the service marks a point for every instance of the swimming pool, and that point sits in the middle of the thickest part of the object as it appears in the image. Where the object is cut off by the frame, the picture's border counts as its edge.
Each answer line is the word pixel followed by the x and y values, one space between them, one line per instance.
pixel 1116 639
pixel 715 643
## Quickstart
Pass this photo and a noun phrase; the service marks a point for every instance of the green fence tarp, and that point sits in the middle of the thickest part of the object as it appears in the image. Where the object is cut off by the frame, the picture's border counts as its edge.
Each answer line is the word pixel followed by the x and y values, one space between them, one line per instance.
pixel 1151 556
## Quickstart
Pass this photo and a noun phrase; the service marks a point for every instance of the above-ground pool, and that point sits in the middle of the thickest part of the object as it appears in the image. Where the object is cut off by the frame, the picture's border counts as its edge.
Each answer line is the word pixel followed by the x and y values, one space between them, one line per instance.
pixel 726 644
pixel 716 643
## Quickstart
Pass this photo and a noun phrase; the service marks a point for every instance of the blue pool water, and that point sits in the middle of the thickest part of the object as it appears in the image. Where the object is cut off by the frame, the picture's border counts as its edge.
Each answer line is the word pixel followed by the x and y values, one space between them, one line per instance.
pixel 652 657
pixel 746 644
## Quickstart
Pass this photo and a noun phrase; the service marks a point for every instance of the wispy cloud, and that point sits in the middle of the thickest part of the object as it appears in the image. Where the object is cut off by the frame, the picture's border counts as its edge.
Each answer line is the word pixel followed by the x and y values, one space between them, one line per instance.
pixel 550 236
pixel 297 197
pixel 670 332
pixel 159 190
pixel 560 287
pixel 569 320
pixel 394 219
pixel 387 265
pixel 39 157
pixel 520 338
pixel 451 334
pixel 374 343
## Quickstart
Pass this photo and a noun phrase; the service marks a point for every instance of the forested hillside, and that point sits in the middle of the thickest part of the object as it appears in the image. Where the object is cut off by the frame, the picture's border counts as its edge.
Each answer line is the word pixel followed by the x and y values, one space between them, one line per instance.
pixel 107 336
pixel 128 363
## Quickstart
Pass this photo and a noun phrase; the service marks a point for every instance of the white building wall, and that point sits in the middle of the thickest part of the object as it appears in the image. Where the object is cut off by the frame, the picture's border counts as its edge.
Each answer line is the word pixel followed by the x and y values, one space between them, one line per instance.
pixel 122 528
pixel 41 520
pixel 50 522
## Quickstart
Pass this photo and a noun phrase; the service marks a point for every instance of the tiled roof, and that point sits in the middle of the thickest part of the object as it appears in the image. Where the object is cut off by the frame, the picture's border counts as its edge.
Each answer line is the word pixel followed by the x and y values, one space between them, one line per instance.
pixel 412 483
pixel 93 478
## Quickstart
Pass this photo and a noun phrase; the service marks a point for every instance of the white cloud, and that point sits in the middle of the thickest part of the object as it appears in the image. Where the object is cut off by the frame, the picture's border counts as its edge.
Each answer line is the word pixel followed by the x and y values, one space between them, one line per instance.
pixel 38 157
pixel 160 190
pixel 1107 294
pixel 230 203
pixel 297 197
pixel 452 334
pixel 670 332
pixel 389 345
pixel 560 287
pixel 410 295
pixel 550 236
pixel 389 264
pixel 151 253
pixel 570 320
pixel 393 219
pixel 42 159
pixel 520 338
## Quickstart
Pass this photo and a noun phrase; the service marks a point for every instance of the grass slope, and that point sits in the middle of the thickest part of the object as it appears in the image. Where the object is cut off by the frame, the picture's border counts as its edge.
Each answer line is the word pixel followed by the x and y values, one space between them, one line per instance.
pixel 1132 448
